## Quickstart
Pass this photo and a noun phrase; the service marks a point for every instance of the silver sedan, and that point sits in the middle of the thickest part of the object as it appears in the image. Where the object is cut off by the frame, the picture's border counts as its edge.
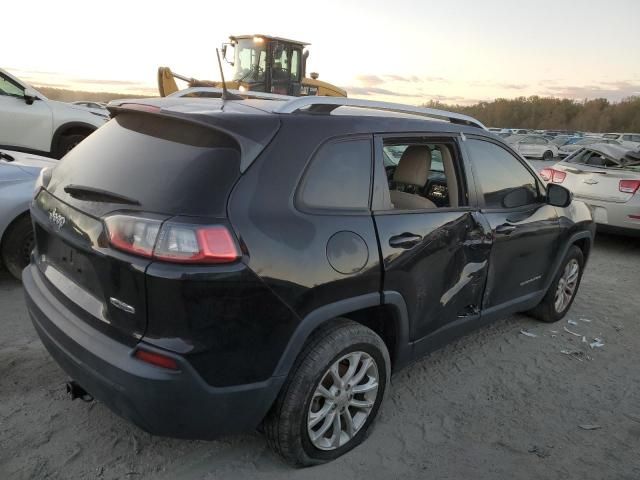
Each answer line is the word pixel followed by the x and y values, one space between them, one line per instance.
pixel 18 175
pixel 533 146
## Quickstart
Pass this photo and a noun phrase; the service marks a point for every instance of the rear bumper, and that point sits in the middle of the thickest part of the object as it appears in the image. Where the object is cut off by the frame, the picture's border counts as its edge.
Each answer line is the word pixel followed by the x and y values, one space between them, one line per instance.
pixel 617 216
pixel 162 402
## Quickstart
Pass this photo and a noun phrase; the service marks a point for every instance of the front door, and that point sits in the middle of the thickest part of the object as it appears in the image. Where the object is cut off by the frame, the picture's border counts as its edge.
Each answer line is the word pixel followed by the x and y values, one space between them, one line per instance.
pixel 525 228
pixel 434 252
pixel 23 125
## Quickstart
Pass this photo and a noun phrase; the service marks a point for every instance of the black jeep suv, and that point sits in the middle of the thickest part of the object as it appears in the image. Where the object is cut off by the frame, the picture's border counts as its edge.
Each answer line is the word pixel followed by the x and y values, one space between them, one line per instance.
pixel 206 266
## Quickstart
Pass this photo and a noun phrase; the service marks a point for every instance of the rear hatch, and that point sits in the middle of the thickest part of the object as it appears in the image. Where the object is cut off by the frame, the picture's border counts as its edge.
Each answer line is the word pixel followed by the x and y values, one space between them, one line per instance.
pixel 138 165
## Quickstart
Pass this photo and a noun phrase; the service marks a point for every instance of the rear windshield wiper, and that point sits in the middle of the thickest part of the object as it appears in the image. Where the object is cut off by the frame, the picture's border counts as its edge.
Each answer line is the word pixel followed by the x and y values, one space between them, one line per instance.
pixel 92 194
pixel 6 156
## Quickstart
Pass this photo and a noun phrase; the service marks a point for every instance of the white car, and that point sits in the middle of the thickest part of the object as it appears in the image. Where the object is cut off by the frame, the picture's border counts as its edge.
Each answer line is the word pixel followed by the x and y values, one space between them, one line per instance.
pixel 533 146
pixel 97 107
pixel 606 177
pixel 30 122
pixel 629 140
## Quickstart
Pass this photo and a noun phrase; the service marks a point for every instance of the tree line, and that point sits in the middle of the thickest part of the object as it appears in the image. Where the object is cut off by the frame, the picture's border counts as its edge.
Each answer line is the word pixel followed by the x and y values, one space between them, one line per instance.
pixel 598 115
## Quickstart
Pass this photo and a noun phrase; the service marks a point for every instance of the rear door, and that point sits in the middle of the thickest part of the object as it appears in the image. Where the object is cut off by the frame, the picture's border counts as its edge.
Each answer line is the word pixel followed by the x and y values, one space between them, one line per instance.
pixel 138 166
pixel 524 227
pixel 434 252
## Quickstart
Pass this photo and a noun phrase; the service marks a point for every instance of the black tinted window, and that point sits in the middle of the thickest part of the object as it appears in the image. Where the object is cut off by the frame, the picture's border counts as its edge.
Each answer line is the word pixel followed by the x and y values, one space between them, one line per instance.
pixel 505 182
pixel 167 166
pixel 339 176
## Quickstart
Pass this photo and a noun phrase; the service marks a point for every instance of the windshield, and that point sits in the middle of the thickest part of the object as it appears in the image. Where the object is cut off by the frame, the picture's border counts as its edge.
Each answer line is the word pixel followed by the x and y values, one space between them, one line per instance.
pixel 250 60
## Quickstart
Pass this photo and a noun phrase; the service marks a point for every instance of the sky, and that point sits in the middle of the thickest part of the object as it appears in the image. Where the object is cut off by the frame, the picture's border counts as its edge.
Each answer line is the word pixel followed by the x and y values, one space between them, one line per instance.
pixel 409 51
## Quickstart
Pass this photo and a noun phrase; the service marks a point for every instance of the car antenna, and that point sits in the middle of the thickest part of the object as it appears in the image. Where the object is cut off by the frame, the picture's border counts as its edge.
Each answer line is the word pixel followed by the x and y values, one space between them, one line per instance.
pixel 226 95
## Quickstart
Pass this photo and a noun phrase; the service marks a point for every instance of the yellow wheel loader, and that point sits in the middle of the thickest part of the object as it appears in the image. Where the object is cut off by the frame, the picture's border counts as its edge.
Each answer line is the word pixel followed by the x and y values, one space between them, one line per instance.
pixel 260 64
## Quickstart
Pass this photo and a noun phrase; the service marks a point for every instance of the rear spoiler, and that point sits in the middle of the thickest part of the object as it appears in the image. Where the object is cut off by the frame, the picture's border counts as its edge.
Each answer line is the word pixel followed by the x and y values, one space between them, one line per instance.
pixel 251 137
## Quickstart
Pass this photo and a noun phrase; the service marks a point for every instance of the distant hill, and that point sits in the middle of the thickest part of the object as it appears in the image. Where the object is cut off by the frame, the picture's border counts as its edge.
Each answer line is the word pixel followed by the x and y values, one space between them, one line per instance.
pixel 74 95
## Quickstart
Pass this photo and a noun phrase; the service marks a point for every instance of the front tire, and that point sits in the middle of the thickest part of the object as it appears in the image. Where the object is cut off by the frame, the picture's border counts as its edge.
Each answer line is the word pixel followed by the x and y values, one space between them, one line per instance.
pixel 17 244
pixel 562 292
pixel 547 156
pixel 332 395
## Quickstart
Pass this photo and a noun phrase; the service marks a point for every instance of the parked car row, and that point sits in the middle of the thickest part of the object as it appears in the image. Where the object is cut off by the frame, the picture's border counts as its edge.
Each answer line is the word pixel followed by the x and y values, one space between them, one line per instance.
pixel 563 138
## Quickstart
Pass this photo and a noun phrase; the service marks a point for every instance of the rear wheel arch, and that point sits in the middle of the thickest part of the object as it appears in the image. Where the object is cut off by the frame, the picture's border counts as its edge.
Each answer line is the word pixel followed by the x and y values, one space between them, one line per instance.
pixel 70 128
pixel 387 319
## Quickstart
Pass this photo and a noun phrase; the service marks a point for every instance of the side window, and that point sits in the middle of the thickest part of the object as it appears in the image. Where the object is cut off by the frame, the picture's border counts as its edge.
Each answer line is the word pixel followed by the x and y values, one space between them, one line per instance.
pixel 295 65
pixel 339 177
pixel 7 87
pixel 504 181
pixel 421 175
pixel 635 138
pixel 626 138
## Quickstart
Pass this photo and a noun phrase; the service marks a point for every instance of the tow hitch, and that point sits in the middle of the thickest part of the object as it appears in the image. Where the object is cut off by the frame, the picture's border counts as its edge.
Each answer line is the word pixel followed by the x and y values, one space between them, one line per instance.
pixel 76 391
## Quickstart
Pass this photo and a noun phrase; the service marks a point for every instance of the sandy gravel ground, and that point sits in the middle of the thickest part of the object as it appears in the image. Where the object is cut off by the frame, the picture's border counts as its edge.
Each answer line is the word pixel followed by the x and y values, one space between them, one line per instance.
pixel 496 404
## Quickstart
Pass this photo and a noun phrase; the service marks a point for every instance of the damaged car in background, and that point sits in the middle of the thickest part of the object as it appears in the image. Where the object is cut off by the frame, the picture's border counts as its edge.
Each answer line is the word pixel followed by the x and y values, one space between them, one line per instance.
pixel 606 177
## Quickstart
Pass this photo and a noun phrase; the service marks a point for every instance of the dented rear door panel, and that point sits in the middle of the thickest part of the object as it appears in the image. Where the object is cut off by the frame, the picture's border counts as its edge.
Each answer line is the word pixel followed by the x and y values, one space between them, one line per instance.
pixel 441 278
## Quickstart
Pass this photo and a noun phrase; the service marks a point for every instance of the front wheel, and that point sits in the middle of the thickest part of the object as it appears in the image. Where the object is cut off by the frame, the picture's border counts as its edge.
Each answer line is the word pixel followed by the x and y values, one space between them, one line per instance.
pixel 547 156
pixel 562 292
pixel 332 395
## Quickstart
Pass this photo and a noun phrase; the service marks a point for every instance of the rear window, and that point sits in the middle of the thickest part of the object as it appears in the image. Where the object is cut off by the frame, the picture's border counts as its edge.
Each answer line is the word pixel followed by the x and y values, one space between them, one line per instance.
pixel 339 177
pixel 168 166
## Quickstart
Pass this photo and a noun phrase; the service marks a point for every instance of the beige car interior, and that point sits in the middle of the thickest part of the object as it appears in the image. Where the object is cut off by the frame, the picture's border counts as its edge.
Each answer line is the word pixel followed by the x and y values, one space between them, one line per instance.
pixel 412 174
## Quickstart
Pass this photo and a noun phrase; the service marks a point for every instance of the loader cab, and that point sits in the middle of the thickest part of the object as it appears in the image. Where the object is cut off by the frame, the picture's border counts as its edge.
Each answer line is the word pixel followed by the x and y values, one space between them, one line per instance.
pixel 267 64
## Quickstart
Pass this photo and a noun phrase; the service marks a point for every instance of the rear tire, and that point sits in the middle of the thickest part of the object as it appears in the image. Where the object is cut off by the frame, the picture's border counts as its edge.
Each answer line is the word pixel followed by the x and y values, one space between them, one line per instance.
pixel 68 142
pixel 17 244
pixel 547 156
pixel 552 308
pixel 322 412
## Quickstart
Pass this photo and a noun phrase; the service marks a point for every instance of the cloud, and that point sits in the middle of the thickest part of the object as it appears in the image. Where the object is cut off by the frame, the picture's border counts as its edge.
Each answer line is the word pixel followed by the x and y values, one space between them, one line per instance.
pixel 613 91
pixel 369 80
pixel 93 81
pixel 370 91
pixel 507 86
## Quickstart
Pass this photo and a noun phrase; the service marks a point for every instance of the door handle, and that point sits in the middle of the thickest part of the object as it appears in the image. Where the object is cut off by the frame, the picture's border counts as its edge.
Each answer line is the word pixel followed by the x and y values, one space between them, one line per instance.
pixel 405 240
pixel 505 228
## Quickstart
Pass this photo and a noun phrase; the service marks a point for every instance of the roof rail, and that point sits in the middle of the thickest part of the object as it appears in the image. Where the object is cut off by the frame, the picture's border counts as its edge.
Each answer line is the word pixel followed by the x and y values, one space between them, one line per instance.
pixel 218 92
pixel 301 103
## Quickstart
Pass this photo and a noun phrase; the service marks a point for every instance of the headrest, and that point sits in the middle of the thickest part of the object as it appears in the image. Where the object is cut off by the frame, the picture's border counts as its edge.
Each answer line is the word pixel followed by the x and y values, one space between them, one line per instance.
pixel 414 166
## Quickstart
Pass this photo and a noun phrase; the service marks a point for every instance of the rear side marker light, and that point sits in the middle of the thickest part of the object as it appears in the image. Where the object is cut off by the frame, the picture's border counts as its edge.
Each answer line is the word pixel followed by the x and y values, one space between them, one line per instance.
pixel 171 241
pixel 635 217
pixel 629 186
pixel 156 359
pixel 552 175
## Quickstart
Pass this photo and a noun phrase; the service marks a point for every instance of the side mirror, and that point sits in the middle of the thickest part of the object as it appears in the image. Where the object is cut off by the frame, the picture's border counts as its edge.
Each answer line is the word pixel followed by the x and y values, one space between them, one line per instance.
pixel 30 95
pixel 224 54
pixel 558 196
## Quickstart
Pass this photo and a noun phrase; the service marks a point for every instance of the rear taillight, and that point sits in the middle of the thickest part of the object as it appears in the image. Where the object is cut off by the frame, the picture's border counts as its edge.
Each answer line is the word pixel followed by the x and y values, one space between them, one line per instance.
pixel 195 244
pixel 172 241
pixel 552 175
pixel 133 234
pixel 629 186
